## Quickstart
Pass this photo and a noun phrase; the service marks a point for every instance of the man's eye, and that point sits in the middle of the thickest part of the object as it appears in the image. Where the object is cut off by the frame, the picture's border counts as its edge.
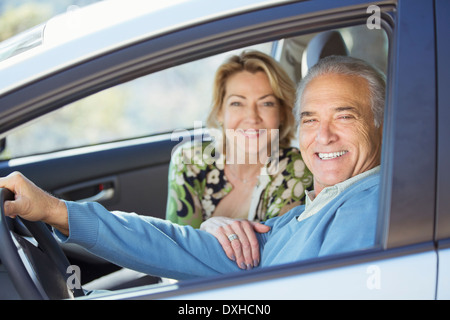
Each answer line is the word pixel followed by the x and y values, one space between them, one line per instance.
pixel 346 117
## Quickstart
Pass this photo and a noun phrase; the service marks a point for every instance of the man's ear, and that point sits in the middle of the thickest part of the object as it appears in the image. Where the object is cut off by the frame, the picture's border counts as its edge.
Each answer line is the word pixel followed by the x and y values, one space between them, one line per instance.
pixel 380 132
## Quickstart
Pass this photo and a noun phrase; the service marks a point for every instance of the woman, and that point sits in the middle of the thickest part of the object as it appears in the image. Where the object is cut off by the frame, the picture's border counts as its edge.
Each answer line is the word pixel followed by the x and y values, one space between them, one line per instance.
pixel 249 171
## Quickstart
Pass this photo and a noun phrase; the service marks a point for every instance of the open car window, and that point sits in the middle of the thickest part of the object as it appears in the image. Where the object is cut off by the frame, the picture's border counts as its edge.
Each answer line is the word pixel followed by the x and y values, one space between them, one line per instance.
pixel 361 42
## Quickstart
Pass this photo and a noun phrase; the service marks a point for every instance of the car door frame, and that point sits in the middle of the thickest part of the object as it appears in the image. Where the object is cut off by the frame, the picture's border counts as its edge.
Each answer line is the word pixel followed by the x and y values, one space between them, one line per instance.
pixel 442 9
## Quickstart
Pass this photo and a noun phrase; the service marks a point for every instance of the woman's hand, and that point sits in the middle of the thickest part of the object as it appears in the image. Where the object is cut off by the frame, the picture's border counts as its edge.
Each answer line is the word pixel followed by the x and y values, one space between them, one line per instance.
pixel 34 204
pixel 245 248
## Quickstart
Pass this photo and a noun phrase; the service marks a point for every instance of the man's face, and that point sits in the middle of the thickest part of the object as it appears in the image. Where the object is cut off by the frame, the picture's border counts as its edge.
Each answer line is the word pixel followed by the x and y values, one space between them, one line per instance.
pixel 338 137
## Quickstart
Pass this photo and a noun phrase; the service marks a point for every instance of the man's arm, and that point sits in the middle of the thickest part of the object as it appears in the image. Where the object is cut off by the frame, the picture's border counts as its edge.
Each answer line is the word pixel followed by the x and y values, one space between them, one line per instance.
pixel 146 244
pixel 34 204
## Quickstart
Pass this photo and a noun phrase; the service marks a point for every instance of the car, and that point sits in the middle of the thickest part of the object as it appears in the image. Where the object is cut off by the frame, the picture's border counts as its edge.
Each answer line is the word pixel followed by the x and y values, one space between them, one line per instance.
pixel 93 102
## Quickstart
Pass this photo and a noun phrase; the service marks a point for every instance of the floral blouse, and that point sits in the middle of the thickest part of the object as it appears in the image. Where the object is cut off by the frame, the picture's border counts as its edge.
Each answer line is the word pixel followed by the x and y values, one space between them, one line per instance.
pixel 197 183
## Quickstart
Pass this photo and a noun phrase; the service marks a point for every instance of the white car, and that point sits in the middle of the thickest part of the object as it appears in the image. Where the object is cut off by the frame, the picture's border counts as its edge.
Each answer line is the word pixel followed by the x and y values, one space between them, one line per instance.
pixel 90 111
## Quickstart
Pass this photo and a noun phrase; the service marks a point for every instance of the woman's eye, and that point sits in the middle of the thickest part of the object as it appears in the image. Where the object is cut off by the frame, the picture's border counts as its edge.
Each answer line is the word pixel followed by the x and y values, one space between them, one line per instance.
pixel 235 104
pixel 269 104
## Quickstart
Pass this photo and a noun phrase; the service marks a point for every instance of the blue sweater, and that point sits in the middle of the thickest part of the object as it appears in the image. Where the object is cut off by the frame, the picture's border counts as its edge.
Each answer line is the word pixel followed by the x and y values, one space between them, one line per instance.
pixel 159 247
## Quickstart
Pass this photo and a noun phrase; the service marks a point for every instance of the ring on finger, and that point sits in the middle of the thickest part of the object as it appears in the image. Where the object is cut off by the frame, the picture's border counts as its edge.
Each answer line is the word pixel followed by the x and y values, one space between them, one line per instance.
pixel 232 237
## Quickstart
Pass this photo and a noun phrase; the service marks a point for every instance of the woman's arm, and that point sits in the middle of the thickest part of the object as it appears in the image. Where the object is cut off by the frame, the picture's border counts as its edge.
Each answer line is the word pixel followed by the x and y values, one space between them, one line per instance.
pixel 183 203
pixel 245 250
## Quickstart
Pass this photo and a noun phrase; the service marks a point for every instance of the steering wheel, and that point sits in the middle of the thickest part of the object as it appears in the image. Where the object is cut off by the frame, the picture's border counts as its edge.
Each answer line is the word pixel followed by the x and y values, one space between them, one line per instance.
pixel 37 272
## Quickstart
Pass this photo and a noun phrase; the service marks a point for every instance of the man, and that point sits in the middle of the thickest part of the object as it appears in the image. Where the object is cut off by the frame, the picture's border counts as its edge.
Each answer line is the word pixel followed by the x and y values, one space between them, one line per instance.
pixel 340 112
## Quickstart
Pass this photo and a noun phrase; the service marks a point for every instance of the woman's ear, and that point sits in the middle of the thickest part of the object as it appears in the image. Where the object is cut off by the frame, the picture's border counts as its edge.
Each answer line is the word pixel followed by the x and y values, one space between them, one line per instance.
pixel 220 116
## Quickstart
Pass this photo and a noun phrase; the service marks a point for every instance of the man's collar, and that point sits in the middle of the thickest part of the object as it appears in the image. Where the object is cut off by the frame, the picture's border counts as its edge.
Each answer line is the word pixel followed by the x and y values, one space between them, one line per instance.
pixel 341 186
pixel 314 204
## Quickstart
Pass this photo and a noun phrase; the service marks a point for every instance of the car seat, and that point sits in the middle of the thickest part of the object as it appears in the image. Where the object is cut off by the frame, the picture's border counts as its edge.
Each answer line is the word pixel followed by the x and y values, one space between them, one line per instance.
pixel 322 45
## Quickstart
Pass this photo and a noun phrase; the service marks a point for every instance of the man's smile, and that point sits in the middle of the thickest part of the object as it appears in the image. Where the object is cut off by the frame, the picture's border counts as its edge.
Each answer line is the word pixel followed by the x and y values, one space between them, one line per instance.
pixel 331 155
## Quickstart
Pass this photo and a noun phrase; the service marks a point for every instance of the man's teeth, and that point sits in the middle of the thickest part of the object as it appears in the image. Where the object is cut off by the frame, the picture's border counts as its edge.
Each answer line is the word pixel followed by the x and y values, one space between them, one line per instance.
pixel 331 155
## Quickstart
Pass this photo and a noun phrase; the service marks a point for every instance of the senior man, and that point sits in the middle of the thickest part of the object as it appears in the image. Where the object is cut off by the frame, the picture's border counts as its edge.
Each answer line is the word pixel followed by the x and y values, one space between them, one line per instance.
pixel 340 112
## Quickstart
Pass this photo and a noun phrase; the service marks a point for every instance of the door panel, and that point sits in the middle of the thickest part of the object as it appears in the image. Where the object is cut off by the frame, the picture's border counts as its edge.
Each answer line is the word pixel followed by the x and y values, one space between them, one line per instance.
pixel 135 170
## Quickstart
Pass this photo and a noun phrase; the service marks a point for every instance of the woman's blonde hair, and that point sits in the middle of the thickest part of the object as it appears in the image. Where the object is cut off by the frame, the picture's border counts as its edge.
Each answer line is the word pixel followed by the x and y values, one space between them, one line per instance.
pixel 282 86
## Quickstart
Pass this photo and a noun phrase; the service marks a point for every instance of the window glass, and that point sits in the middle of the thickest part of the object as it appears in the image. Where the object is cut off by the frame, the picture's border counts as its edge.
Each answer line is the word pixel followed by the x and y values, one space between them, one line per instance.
pixel 161 102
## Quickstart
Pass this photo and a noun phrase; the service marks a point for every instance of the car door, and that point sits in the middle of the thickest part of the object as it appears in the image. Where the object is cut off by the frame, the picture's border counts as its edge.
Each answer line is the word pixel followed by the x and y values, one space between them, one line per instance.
pixel 405 248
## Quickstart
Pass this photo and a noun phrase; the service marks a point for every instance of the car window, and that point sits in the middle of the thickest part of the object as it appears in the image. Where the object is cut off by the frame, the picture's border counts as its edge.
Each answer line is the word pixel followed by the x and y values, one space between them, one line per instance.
pixel 369 44
pixel 161 102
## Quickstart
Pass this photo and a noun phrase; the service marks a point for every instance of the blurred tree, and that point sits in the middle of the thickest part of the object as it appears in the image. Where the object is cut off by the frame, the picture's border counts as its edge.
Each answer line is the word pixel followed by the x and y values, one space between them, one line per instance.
pixel 17 19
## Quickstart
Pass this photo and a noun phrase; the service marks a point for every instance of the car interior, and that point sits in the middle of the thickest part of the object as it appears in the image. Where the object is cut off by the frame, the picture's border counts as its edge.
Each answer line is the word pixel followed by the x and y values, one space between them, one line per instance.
pixel 130 174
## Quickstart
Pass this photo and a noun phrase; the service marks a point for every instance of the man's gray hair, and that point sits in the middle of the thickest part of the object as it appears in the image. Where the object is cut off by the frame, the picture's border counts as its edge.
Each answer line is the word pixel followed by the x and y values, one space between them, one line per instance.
pixel 349 66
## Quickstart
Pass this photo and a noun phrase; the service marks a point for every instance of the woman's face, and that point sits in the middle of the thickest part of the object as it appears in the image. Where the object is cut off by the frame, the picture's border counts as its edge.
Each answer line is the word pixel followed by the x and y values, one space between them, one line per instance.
pixel 250 114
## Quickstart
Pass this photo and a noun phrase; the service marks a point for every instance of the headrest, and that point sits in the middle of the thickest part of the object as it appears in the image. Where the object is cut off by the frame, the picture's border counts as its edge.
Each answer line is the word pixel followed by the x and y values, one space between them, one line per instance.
pixel 324 44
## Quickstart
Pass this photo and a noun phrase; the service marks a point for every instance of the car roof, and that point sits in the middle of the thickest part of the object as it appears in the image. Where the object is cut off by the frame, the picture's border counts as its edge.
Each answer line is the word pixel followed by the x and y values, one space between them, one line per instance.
pixel 83 33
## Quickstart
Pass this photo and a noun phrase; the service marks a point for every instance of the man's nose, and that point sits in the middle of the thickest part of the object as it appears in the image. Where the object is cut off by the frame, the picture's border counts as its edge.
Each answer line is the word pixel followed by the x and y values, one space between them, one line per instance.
pixel 325 133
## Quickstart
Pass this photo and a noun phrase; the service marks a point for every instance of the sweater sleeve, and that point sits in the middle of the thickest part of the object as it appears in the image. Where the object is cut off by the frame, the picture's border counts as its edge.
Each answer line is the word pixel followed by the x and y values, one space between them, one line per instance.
pixel 353 225
pixel 146 244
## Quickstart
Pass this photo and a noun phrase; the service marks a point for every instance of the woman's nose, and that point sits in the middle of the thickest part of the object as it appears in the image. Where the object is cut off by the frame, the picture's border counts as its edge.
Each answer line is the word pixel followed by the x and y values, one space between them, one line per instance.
pixel 252 113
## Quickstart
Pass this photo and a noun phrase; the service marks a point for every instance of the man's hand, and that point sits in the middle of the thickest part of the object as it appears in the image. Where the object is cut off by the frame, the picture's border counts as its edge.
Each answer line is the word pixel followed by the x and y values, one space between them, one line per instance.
pixel 245 248
pixel 34 204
